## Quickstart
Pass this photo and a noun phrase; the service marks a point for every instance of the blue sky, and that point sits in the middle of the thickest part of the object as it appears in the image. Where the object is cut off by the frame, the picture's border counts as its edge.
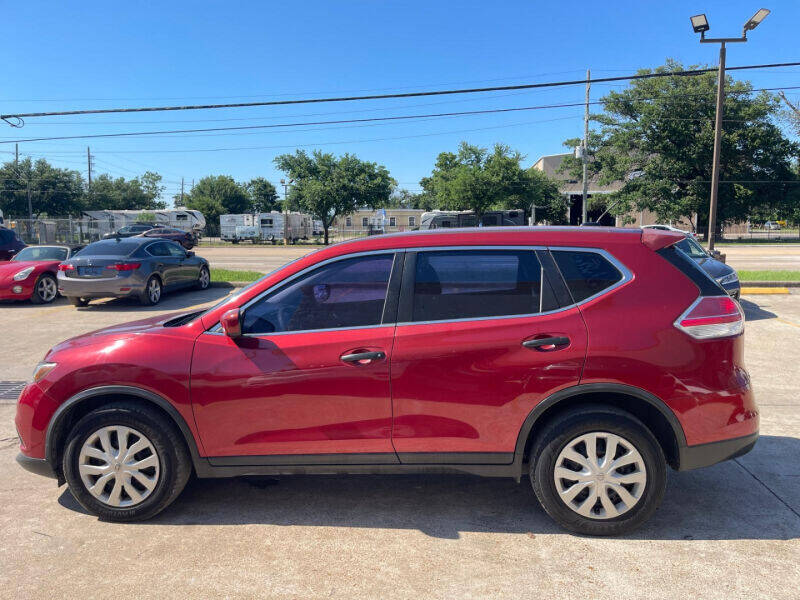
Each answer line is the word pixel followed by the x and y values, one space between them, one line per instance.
pixel 64 56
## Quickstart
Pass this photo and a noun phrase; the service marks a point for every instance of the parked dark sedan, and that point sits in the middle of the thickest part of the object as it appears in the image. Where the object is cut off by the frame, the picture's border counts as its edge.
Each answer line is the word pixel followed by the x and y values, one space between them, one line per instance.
pixel 184 238
pixel 725 275
pixel 10 244
pixel 136 267
pixel 130 230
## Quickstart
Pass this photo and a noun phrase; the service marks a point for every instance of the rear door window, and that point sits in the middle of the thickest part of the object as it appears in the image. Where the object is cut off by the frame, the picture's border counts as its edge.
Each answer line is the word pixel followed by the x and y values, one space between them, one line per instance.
pixel 158 249
pixel 586 273
pixel 469 284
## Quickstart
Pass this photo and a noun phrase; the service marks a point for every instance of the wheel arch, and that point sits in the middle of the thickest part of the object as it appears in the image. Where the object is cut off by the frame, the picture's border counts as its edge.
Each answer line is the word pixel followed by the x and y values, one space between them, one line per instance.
pixel 651 410
pixel 79 405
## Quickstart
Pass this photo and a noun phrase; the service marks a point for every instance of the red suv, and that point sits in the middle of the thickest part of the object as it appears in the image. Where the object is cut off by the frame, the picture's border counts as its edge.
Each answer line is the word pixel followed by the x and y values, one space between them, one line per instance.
pixel 589 359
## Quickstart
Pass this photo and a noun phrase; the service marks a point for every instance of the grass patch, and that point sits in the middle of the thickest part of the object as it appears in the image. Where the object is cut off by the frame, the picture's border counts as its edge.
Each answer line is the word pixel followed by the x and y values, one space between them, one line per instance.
pixel 769 275
pixel 232 275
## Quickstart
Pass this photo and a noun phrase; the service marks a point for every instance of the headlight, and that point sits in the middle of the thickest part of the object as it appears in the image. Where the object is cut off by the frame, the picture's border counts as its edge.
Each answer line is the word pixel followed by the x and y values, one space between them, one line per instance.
pixel 729 278
pixel 42 369
pixel 23 274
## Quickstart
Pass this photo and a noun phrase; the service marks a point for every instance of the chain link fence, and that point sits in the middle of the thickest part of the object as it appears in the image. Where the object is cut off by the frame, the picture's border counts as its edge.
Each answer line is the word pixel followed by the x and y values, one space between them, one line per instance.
pixel 58 231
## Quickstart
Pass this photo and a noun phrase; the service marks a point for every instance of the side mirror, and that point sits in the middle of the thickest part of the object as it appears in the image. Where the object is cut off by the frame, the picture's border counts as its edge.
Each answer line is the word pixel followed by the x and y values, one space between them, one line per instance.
pixel 231 325
pixel 189 254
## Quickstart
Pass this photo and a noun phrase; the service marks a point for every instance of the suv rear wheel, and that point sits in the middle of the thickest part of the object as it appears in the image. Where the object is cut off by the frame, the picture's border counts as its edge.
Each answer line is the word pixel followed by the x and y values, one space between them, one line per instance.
pixel 152 292
pixel 125 462
pixel 598 471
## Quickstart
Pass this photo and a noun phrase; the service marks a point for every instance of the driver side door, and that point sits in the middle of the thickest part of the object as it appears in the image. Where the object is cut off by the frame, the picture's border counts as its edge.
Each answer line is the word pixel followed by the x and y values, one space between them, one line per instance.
pixel 309 377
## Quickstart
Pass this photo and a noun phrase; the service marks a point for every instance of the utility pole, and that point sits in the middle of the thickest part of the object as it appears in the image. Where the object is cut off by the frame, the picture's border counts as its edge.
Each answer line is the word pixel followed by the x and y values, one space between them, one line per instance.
pixel 700 25
pixel 182 204
pixel 89 167
pixel 16 157
pixel 286 210
pixel 585 153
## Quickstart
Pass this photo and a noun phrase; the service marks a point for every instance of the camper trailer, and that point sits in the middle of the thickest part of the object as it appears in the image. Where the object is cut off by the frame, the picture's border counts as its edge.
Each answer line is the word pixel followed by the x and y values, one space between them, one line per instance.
pixel 232 227
pixel 276 225
pixel 106 221
pixel 266 227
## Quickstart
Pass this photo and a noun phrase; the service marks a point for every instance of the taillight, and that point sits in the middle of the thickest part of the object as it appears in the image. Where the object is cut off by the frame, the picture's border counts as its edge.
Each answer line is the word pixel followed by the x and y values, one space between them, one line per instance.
pixel 66 267
pixel 712 317
pixel 125 266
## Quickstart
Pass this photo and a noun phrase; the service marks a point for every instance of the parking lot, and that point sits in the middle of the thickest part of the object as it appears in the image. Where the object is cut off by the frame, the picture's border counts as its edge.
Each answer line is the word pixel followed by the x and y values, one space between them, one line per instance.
pixel 724 532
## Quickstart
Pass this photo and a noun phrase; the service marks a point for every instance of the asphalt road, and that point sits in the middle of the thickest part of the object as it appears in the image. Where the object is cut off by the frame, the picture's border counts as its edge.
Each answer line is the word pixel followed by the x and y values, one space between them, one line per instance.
pixel 728 531
pixel 267 258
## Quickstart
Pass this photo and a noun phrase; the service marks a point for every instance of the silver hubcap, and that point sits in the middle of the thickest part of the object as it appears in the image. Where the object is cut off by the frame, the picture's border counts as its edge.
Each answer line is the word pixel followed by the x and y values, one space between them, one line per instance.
pixel 204 278
pixel 600 475
pixel 118 466
pixel 154 290
pixel 47 289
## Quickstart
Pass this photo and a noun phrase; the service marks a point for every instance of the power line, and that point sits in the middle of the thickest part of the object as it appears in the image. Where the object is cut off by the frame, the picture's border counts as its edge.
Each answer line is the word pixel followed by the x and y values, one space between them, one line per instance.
pixel 339 121
pixel 18 117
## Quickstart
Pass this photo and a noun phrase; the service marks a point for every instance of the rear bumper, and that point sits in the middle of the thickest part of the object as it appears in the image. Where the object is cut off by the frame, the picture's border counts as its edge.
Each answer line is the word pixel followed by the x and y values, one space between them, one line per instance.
pixel 118 287
pixel 704 455
pixel 39 466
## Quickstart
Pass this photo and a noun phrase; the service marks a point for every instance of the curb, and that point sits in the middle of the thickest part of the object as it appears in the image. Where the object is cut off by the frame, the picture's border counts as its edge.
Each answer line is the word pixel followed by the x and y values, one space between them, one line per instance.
pixel 763 291
pixel 770 284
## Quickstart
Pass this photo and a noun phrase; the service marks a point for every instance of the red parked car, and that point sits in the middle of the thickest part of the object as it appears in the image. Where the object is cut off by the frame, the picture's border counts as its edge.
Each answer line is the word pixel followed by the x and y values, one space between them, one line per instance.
pixel 587 358
pixel 31 274
pixel 187 239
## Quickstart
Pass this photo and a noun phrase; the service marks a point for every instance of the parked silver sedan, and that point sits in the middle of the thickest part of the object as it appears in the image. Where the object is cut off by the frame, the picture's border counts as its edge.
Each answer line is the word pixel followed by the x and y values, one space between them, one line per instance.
pixel 142 268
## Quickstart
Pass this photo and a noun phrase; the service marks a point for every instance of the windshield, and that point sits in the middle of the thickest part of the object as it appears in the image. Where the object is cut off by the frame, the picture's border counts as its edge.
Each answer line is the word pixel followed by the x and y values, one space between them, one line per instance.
pixel 692 248
pixel 112 247
pixel 42 253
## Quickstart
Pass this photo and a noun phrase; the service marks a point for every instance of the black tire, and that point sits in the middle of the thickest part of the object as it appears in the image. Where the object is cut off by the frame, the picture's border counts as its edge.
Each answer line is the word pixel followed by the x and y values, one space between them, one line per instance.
pixel 75 301
pixel 145 298
pixel 175 465
pixel 36 297
pixel 203 283
pixel 571 425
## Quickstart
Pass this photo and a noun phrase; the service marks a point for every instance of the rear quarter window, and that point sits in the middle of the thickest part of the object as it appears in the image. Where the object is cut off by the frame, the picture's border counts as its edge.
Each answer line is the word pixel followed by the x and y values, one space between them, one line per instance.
pixel 586 273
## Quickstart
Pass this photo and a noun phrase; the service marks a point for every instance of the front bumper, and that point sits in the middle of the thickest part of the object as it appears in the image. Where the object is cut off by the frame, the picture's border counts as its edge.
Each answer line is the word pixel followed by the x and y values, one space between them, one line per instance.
pixel 26 289
pixel 704 455
pixel 39 466
pixel 733 289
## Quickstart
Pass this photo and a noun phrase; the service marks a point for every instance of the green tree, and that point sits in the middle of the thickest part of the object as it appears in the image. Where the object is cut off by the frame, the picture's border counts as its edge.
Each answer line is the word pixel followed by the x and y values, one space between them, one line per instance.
pixel 217 195
pixel 326 186
pixel 657 137
pixel 263 195
pixel 53 192
pixel 475 179
pixel 109 193
pixel 404 199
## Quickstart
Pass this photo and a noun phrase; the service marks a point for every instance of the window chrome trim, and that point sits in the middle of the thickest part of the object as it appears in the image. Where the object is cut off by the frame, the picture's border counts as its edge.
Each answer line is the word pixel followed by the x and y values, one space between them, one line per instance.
pixel 623 270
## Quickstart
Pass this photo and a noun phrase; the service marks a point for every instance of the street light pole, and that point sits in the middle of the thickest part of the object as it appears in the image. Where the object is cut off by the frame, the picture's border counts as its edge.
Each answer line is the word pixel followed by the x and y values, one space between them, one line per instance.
pixel 712 208
pixel 700 25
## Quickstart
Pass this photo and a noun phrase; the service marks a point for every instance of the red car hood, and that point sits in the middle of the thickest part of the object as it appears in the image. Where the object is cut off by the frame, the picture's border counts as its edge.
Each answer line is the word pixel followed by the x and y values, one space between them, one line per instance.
pixel 12 267
pixel 116 332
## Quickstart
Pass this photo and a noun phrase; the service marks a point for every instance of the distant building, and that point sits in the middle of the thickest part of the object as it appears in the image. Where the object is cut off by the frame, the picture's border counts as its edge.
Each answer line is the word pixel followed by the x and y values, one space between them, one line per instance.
pixel 382 220
pixel 572 189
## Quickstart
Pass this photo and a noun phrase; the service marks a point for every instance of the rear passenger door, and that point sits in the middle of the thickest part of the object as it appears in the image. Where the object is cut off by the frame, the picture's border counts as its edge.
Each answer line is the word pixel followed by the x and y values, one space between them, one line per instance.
pixel 167 266
pixel 188 268
pixel 481 339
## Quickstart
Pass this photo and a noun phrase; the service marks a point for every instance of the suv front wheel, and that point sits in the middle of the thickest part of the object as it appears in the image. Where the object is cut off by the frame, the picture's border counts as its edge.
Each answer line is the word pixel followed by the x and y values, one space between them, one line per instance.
pixel 125 462
pixel 598 471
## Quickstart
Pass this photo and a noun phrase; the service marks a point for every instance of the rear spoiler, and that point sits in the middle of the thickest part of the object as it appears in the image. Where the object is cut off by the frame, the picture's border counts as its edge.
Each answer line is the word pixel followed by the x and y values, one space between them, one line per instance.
pixel 656 239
